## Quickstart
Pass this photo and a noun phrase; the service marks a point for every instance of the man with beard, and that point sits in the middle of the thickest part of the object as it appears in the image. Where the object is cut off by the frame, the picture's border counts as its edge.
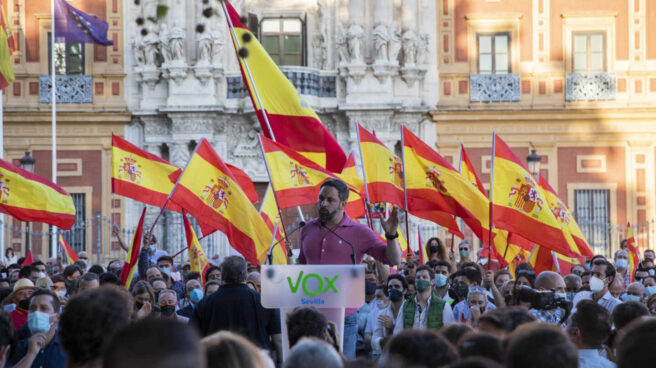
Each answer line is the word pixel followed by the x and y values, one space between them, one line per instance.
pixel 322 242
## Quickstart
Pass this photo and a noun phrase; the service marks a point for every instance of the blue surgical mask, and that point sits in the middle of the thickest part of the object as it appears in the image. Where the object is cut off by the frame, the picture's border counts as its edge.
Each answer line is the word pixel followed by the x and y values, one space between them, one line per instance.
pixel 651 272
pixel 440 280
pixel 166 270
pixel 38 322
pixel 650 290
pixel 196 295
pixel 9 307
pixel 561 295
pixel 621 263
pixel 626 297
pixel 570 295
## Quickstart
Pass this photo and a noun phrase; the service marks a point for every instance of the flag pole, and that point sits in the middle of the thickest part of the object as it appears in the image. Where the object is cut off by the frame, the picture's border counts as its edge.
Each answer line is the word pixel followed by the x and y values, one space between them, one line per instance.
pixel 490 222
pixel 266 164
pixel 364 176
pixel 53 103
pixel 405 190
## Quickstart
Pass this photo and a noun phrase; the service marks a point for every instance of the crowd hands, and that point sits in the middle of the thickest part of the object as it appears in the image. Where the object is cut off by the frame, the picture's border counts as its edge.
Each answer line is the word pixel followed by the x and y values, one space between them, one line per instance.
pixel 450 312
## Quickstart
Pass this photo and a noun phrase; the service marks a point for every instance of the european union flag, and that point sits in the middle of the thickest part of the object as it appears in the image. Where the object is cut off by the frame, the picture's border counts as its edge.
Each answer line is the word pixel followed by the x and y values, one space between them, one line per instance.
pixel 76 26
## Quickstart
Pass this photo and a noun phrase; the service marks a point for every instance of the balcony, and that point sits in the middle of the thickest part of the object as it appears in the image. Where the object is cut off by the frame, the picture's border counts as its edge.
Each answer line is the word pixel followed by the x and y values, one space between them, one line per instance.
pixel 590 86
pixel 306 81
pixel 494 88
pixel 70 89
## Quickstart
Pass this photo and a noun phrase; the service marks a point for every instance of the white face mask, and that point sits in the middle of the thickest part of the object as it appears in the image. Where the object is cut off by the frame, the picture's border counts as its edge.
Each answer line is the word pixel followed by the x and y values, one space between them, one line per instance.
pixel 596 284
pixel 380 304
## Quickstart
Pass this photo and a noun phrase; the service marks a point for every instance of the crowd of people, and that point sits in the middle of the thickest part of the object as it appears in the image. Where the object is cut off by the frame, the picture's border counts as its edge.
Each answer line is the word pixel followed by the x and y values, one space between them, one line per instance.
pixel 446 312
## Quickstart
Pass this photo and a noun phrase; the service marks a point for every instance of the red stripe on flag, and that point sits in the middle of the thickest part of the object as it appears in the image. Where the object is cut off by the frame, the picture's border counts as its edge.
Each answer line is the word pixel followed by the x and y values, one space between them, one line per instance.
pixel 135 248
pixel 121 143
pixel 234 16
pixel 146 195
pixel 30 176
pixel 63 221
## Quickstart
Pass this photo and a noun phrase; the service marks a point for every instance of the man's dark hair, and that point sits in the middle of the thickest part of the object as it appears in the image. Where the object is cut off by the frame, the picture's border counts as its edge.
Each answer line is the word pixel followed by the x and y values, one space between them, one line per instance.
pixel 54 299
pixel 209 283
pixel 340 186
pixel 610 269
pixel 474 276
pixel 501 273
pixel 476 362
pixel 636 348
pixel 422 348
pixel 165 258
pixel 25 272
pixel 233 270
pixel 37 263
pixel 306 322
pixel 593 322
pixel 89 276
pixel 431 273
pixel 70 270
pixel 627 312
pixel 586 273
pixel 481 345
pixel 443 263
pixel 154 342
pixel 90 320
pixel 96 269
pixel 58 278
pixel 454 331
pixel 210 269
pixel 110 279
pixel 540 345
pixel 507 318
pixel 395 276
pixel 194 275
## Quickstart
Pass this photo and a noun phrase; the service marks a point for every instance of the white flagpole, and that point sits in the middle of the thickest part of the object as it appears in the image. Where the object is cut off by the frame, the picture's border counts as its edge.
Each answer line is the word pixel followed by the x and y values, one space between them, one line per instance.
pixel 53 103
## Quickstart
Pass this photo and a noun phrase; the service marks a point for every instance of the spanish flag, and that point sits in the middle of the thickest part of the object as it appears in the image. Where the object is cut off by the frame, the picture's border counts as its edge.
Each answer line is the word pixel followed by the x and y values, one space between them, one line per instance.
pixel 519 205
pixel 468 170
pixel 383 171
pixel 421 250
pixel 197 258
pixel 291 119
pixel 567 221
pixel 355 207
pixel 634 254
pixel 7 47
pixel 210 192
pixel 132 258
pixel 31 198
pixel 271 215
pixel 140 175
pixel 244 182
pixel 71 256
pixel 296 179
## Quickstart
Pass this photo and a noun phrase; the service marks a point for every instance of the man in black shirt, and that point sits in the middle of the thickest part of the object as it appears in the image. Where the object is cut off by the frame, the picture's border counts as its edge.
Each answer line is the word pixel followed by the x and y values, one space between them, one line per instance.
pixel 236 307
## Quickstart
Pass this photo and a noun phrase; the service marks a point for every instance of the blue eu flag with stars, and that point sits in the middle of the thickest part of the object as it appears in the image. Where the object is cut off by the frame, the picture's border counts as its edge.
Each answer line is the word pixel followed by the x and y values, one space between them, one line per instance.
pixel 76 26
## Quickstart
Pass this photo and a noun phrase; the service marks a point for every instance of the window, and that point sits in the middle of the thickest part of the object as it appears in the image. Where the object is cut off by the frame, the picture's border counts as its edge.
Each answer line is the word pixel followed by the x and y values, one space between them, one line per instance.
pixel 76 237
pixel 283 39
pixel 592 213
pixel 589 52
pixel 494 53
pixel 69 57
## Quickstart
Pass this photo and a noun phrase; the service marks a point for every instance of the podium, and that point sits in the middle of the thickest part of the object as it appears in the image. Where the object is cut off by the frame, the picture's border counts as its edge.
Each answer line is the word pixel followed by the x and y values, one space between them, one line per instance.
pixel 329 288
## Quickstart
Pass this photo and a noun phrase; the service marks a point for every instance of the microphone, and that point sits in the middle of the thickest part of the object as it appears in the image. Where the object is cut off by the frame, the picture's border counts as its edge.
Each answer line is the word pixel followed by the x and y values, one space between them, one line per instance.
pixel 270 255
pixel 323 224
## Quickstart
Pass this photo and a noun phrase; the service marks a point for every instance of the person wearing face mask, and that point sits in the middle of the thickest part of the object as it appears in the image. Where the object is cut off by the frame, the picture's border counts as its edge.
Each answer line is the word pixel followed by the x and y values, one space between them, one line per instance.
pixel 550 281
pixel 43 347
pixel 477 303
pixel 424 310
pixel 464 251
pixel 463 281
pixel 442 271
pixel 622 267
pixel 20 298
pixel 634 292
pixel 382 302
pixel 364 311
pixel 435 250
pixel 649 283
pixel 572 286
pixel 165 264
pixel 168 302
pixel 194 296
pixel 396 290
pixel 602 275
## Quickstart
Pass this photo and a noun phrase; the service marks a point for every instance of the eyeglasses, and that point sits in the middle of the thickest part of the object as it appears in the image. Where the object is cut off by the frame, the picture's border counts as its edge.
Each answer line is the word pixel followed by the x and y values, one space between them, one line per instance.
pixel 477 289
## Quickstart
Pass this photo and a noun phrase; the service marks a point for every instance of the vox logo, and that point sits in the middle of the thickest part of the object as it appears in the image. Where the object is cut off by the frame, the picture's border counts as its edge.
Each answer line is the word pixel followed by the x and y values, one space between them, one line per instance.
pixel 324 284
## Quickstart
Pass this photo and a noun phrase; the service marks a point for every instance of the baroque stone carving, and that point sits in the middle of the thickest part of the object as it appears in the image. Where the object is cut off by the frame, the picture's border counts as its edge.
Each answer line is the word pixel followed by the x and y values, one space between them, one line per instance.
pixel 341 45
pixel 319 50
pixel 394 45
pixel 176 38
pixel 409 39
pixel 381 38
pixel 494 87
pixel 590 86
pixel 70 89
pixel 355 36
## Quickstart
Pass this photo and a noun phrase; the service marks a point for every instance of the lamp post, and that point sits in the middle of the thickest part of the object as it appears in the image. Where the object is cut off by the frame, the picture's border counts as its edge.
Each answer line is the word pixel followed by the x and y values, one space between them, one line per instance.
pixel 533 161
pixel 27 164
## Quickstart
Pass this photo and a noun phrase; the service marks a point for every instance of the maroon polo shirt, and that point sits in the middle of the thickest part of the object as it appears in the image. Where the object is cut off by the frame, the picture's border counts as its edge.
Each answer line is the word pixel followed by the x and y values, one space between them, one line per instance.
pixel 319 246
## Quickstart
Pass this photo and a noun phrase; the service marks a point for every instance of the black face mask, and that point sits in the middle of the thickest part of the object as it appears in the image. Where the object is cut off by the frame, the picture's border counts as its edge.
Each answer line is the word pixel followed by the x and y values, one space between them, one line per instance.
pixel 369 288
pixel 167 310
pixel 395 295
pixel 24 304
pixel 138 305
pixel 434 248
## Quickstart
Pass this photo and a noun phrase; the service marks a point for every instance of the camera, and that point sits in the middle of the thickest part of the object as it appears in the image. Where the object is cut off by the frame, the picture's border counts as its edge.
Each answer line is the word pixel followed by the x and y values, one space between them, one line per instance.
pixel 545 300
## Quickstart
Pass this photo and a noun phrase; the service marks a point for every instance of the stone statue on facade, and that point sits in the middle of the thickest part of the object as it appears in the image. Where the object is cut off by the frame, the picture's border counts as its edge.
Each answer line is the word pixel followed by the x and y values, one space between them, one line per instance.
pixel 204 50
pixel 381 38
pixel 394 45
pixel 355 36
pixel 164 47
pixel 177 43
pixel 341 45
pixel 151 46
pixel 137 45
pixel 409 46
pixel 218 41
pixel 423 49
pixel 319 51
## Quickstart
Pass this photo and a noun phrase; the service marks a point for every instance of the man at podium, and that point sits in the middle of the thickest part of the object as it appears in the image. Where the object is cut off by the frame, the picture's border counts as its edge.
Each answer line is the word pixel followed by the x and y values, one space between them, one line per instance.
pixel 334 238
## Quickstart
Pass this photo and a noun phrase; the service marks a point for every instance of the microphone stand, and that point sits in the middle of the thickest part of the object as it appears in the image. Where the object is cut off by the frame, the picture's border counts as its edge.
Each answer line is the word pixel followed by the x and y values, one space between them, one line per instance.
pixel 323 224
pixel 270 255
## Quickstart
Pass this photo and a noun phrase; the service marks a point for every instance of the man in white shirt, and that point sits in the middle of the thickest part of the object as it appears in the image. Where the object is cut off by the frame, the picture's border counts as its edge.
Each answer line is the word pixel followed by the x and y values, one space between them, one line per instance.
pixel 603 274
pixel 588 328
pixel 396 290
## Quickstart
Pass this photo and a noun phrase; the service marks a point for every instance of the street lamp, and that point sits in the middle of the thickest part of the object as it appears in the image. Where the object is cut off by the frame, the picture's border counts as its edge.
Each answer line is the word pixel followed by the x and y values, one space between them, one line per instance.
pixel 27 164
pixel 533 161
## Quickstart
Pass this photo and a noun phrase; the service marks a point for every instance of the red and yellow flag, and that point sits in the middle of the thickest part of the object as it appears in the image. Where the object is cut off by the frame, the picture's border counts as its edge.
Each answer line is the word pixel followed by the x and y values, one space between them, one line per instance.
pixel 519 205
pixel 296 179
pixel 132 258
pixel 29 197
pixel 210 192
pixel 355 207
pixel 634 253
pixel 71 256
pixel 7 47
pixel 383 170
pixel 567 221
pixel 197 259
pixel 140 175
pixel 271 215
pixel 421 252
pixel 469 172
pixel 291 119
pixel 244 182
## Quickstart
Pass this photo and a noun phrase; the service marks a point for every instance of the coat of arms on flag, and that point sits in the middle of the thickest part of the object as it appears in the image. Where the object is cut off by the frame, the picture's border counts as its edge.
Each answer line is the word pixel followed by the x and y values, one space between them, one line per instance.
pixel 130 169
pixel 524 196
pixel 299 175
pixel 4 188
pixel 217 193
pixel 433 179
pixel 396 171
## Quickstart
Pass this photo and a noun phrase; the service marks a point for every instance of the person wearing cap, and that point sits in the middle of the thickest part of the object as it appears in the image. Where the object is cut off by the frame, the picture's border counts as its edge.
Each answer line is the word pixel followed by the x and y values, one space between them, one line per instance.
pixel 44 283
pixel 20 296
